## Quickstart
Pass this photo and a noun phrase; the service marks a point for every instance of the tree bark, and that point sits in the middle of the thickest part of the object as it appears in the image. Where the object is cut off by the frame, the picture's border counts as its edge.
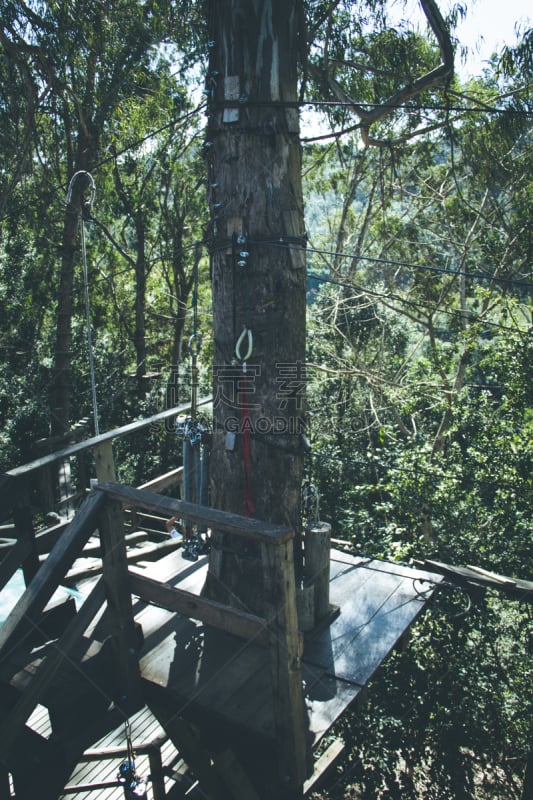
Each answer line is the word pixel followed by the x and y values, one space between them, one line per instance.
pixel 258 280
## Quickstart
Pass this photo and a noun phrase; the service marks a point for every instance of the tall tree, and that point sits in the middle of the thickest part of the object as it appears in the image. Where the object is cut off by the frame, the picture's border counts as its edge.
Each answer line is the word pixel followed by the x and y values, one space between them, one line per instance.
pixel 258 272
pixel 257 239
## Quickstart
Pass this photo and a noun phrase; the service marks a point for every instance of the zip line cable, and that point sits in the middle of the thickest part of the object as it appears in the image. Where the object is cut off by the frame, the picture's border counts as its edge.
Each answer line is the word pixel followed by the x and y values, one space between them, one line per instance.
pixel 397 263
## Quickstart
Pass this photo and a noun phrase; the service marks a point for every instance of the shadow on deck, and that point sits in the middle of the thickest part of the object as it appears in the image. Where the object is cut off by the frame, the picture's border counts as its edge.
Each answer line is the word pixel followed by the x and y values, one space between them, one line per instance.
pixel 244 699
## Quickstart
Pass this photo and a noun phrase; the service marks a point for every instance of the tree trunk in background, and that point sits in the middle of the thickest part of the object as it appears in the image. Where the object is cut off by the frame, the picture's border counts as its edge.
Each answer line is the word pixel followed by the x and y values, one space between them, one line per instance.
pixel 60 390
pixel 258 280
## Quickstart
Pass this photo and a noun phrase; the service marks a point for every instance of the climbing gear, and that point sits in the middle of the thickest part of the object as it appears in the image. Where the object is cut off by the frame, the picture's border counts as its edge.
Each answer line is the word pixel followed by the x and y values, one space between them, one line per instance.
pixel 132 784
pixel 246 336
pixel 196 450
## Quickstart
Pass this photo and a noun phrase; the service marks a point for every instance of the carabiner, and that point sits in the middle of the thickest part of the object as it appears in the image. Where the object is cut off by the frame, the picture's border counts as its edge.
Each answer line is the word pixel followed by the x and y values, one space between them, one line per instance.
pixel 245 335
pixel 195 343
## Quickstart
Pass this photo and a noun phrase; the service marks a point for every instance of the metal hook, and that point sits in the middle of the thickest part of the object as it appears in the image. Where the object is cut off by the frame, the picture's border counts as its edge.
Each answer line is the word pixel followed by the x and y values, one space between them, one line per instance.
pixel 246 334
pixel 73 181
pixel 195 343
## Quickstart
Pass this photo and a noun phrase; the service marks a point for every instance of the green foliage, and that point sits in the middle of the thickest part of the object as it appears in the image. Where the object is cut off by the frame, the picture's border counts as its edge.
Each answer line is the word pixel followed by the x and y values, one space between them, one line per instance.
pixel 420 345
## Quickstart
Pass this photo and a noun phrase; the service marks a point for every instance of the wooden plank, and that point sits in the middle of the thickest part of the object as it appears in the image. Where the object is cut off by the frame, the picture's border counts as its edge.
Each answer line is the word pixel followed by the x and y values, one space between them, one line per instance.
pixel 108 436
pixel 374 615
pixel 467 576
pixel 11 724
pixel 492 576
pixel 326 699
pixel 52 571
pixel 324 764
pixel 211 517
pixel 287 700
pixel 94 549
pixel 46 539
pixel 167 481
pixel 232 91
pixel 149 553
pixel 239 623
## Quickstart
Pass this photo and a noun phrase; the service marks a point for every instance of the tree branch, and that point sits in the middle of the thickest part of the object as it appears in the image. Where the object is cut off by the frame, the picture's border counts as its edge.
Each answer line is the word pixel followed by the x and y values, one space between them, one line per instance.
pixel 433 78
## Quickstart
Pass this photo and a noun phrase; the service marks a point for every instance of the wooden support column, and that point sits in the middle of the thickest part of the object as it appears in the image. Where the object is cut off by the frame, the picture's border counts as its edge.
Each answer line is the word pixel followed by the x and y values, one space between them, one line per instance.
pixel 288 700
pixel 157 778
pixel 115 575
pixel 104 462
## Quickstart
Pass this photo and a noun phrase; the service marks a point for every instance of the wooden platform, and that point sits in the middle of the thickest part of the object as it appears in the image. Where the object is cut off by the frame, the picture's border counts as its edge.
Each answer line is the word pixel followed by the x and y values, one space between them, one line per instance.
pixel 210 676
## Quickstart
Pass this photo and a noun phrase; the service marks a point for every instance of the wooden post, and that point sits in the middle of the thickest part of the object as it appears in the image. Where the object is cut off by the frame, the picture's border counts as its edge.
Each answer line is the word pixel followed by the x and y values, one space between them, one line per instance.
pixel 104 462
pixel 288 702
pixel 317 555
pixel 156 773
pixel 305 604
pixel 119 606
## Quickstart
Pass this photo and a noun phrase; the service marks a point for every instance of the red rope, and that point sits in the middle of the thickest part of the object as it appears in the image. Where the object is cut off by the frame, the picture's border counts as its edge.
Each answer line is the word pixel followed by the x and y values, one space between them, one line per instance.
pixel 249 507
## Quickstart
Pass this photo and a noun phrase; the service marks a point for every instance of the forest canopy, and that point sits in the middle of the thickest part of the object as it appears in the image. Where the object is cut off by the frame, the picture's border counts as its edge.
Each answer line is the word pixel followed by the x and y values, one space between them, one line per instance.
pixel 417 192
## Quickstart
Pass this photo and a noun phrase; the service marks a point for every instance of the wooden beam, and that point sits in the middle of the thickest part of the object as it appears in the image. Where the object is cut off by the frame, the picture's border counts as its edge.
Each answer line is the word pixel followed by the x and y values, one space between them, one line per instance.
pixel 108 436
pixel 287 701
pixel 211 517
pixel 149 553
pixel 163 482
pixel 139 748
pixel 127 688
pixel 231 620
pixel 13 722
pixel 52 571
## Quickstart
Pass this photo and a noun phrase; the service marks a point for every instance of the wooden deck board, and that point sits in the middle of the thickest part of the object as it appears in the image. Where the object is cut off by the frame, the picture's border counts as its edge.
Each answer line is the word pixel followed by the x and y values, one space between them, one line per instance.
pixel 216 674
pixel 145 728
pixel 212 676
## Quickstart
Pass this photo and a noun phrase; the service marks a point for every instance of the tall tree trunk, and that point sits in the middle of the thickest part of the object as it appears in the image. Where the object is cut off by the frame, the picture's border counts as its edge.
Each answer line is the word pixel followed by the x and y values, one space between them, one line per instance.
pixel 139 335
pixel 258 279
pixel 61 382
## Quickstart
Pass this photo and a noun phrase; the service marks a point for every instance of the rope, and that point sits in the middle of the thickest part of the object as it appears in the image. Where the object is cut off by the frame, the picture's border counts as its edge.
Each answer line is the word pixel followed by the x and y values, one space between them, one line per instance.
pixel 86 210
pixel 249 508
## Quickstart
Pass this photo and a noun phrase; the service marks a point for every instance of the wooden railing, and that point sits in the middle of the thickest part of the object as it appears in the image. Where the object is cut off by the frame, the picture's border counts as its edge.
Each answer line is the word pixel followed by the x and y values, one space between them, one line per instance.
pixel 35 484
pixel 277 629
